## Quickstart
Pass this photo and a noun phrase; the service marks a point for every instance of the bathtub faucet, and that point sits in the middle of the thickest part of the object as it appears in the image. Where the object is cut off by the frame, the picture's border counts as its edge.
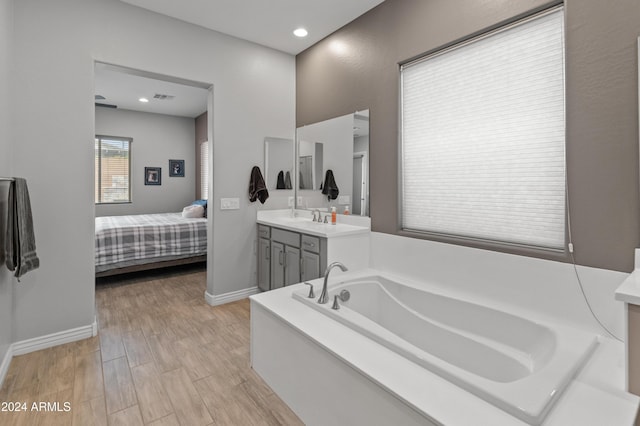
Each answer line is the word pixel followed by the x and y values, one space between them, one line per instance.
pixel 324 296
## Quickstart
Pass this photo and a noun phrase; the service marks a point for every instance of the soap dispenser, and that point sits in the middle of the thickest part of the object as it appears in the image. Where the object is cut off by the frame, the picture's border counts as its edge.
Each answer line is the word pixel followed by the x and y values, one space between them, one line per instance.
pixel 333 216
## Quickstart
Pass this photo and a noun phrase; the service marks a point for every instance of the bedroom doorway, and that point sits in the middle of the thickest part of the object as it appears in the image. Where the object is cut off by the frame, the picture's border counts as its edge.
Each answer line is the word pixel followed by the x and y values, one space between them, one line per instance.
pixel 151 156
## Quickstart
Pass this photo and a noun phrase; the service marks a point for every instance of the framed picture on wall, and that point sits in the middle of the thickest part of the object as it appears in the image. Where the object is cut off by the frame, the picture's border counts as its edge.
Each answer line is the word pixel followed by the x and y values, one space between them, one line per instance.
pixel 153 175
pixel 176 168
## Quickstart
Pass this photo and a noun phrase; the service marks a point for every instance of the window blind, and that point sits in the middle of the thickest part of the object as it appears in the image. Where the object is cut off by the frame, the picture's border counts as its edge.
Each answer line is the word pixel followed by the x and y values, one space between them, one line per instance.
pixel 204 170
pixel 483 137
pixel 112 170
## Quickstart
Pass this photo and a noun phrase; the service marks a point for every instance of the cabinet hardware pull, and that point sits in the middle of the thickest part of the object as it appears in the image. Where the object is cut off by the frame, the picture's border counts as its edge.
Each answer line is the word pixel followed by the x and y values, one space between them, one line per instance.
pixel 280 258
pixel 309 244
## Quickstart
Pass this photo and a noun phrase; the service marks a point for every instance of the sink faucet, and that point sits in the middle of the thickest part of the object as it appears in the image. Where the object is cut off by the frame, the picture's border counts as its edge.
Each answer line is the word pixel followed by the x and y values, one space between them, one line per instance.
pixel 314 215
pixel 324 296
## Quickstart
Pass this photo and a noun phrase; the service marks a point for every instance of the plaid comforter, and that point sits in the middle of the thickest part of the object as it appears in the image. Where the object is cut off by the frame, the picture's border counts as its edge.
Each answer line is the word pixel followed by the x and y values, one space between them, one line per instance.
pixel 147 236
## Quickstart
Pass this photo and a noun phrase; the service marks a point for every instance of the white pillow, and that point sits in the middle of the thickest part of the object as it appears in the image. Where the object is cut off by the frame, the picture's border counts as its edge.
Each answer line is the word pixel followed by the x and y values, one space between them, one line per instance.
pixel 193 211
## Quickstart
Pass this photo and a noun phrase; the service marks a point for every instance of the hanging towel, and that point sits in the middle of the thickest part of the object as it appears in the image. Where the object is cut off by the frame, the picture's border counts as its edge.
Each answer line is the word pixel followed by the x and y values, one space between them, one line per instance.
pixel 20 247
pixel 257 187
pixel 280 183
pixel 287 181
pixel 330 189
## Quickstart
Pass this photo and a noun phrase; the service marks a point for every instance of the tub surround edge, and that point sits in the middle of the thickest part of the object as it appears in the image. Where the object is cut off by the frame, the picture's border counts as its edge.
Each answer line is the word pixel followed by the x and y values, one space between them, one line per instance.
pixel 595 391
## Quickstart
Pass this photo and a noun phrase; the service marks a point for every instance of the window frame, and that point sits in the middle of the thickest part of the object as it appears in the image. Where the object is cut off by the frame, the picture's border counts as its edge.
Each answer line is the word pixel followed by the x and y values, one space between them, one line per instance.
pixel 99 171
pixel 204 183
pixel 552 253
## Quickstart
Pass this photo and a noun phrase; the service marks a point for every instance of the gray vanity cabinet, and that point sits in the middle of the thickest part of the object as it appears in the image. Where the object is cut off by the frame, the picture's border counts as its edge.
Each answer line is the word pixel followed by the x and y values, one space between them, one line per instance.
pixel 264 257
pixel 311 262
pixel 286 257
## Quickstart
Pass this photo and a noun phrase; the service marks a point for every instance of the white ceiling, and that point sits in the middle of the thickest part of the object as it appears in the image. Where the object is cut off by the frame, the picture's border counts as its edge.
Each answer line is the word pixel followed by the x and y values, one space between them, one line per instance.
pixel 123 87
pixel 266 22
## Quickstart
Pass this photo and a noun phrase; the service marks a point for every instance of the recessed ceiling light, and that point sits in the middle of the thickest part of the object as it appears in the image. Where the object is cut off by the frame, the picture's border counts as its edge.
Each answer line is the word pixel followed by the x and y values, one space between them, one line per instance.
pixel 143 100
pixel 300 32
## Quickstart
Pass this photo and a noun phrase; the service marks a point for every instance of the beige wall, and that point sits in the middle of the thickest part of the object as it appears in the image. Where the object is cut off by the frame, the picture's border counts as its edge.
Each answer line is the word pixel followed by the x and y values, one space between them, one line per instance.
pixel 357 68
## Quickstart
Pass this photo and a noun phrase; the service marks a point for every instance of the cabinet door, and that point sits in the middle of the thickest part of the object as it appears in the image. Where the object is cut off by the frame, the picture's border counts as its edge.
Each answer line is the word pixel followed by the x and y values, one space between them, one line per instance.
pixel 277 265
pixel 310 266
pixel 292 265
pixel 264 266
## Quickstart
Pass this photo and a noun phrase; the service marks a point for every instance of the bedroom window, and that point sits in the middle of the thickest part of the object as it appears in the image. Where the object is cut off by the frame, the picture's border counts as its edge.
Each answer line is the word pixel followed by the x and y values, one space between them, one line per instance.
pixel 112 166
pixel 204 170
pixel 483 137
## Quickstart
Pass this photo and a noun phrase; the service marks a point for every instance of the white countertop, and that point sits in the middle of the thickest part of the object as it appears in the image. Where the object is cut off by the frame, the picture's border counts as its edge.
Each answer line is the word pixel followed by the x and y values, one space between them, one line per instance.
pixel 596 396
pixel 302 223
pixel 629 290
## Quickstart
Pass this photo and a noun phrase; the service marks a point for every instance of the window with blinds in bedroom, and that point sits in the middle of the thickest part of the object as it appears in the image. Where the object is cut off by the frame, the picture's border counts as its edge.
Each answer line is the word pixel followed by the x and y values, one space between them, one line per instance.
pixel 483 137
pixel 204 170
pixel 112 170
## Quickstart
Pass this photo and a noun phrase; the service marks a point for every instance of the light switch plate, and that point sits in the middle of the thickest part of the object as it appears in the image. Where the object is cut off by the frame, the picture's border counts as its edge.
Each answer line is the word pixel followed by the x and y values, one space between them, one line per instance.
pixel 229 203
pixel 343 199
pixel 290 202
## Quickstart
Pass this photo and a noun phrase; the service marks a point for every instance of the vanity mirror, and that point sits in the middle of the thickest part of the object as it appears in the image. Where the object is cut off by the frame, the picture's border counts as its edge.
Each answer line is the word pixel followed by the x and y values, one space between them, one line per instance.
pixel 341 145
pixel 278 164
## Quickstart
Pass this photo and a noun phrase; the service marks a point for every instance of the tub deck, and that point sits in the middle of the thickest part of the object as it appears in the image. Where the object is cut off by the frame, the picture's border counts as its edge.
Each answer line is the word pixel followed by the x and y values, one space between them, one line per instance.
pixel 283 328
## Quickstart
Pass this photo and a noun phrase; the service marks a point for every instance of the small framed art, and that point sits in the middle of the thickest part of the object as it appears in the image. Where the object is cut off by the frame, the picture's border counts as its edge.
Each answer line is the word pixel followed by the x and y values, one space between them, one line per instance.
pixel 153 175
pixel 176 168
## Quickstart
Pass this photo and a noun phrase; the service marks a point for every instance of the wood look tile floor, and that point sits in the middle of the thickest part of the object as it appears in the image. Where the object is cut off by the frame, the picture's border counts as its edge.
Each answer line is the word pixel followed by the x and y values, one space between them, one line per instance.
pixel 162 357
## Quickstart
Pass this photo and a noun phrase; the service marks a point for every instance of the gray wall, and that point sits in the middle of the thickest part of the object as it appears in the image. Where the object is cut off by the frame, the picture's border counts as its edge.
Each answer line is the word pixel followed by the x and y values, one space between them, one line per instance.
pixel 56 44
pixel 156 139
pixel 357 68
pixel 6 169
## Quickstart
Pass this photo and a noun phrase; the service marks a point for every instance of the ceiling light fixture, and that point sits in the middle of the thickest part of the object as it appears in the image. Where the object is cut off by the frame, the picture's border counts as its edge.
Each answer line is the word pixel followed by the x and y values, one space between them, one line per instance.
pixel 143 100
pixel 300 32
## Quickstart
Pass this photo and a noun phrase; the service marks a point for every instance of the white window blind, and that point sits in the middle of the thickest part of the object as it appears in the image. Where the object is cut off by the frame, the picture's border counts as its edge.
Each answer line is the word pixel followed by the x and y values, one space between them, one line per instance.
pixel 483 137
pixel 112 165
pixel 204 170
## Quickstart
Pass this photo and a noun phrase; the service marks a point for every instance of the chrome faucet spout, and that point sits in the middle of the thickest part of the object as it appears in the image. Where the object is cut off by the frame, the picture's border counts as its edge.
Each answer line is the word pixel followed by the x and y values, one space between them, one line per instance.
pixel 324 296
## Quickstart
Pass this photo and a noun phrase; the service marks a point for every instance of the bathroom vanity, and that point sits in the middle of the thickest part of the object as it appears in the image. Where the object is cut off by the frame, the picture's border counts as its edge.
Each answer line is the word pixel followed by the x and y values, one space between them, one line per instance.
pixel 292 248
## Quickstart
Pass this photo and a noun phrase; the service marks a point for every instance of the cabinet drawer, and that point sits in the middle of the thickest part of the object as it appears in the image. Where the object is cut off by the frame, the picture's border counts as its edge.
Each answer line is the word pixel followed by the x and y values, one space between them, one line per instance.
pixel 287 237
pixel 264 231
pixel 310 243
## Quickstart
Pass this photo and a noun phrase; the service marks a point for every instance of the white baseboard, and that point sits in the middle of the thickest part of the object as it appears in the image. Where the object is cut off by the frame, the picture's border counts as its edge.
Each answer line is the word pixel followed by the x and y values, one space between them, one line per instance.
pixel 43 342
pixel 221 299
pixel 54 339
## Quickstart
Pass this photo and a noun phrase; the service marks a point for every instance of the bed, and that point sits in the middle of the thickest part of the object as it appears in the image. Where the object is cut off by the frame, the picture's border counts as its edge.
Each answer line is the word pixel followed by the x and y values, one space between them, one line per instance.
pixel 148 241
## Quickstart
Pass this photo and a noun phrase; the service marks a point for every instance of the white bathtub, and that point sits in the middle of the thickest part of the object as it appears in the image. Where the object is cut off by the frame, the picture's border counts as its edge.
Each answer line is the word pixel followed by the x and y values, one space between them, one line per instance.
pixel 516 364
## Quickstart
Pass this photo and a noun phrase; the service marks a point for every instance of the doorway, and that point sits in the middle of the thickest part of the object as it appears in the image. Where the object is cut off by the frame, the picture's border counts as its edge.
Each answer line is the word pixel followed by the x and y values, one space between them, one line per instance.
pixel 158 114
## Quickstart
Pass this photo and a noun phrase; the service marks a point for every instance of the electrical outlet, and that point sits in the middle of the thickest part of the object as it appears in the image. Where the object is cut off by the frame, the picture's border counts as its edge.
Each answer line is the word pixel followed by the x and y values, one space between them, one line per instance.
pixel 290 202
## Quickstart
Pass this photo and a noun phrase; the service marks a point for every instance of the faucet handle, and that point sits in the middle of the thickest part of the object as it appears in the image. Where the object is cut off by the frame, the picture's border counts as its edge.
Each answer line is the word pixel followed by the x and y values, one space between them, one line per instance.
pixel 336 305
pixel 311 293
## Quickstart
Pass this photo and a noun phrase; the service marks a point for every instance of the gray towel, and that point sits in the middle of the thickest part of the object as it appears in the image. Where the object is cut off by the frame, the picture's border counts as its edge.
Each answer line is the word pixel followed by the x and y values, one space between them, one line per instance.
pixel 257 187
pixel 21 241
pixel 330 188
pixel 287 181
